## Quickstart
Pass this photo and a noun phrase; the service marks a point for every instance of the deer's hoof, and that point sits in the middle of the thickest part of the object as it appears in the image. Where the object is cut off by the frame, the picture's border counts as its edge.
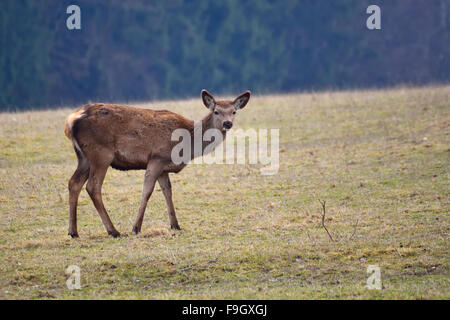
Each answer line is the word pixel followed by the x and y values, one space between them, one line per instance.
pixel 114 233
pixel 136 230
pixel 73 234
pixel 175 227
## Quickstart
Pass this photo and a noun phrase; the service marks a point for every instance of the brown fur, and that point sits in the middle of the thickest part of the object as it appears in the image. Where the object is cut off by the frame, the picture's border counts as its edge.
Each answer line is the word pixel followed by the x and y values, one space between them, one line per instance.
pixel 129 138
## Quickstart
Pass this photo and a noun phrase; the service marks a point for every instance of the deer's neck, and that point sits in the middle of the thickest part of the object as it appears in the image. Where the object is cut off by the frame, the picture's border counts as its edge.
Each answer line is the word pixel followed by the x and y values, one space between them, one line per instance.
pixel 197 133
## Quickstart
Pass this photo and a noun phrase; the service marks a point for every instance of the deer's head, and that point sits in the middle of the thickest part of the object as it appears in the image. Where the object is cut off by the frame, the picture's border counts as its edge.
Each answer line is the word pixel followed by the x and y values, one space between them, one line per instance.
pixel 224 111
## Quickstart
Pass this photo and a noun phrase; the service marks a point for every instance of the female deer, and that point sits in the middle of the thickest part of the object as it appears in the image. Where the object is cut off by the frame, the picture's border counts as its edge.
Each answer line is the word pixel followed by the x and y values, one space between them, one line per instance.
pixel 128 138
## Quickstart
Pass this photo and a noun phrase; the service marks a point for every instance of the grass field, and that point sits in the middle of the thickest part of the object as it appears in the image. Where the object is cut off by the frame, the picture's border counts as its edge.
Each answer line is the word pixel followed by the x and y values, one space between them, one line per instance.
pixel 381 158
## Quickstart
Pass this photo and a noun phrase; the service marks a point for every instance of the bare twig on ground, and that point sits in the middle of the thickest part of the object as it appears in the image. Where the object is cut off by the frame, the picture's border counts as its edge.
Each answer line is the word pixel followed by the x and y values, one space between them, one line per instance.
pixel 323 219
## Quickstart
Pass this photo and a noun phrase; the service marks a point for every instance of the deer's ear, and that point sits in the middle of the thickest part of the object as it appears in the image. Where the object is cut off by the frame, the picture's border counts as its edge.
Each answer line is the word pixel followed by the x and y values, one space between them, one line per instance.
pixel 208 100
pixel 242 100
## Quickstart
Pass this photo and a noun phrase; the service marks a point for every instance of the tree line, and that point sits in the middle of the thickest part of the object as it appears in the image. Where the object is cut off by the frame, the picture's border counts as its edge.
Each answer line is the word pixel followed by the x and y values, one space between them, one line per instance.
pixel 142 50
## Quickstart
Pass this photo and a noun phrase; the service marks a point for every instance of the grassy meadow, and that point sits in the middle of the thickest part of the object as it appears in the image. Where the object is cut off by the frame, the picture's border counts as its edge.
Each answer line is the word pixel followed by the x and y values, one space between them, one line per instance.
pixel 379 158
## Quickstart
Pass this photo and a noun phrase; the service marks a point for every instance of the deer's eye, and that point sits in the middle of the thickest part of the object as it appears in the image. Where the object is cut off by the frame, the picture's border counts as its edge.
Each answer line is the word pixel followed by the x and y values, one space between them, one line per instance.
pixel 216 112
pixel 234 112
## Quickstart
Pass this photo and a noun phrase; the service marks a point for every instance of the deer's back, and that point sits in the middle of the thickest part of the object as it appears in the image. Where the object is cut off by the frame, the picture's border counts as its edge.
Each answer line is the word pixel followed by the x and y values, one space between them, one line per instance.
pixel 132 136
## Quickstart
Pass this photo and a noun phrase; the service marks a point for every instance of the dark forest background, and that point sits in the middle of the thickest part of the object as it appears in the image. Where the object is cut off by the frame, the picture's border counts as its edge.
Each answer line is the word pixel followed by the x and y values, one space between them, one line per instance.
pixel 146 50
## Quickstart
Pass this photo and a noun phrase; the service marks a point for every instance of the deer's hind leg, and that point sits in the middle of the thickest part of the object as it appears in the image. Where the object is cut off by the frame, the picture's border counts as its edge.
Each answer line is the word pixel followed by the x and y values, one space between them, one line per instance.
pixel 76 183
pixel 97 173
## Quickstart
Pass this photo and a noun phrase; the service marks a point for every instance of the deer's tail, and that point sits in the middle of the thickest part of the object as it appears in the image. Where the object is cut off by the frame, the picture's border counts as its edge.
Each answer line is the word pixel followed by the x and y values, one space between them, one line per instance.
pixel 70 121
pixel 68 129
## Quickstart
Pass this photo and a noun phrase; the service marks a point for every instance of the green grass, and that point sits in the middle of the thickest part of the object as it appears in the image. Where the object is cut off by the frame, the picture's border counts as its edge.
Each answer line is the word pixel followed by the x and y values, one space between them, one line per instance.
pixel 380 157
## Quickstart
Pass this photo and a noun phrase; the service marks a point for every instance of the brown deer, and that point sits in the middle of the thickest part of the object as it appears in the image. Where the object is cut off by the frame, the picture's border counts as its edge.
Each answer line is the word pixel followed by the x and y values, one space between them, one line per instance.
pixel 128 138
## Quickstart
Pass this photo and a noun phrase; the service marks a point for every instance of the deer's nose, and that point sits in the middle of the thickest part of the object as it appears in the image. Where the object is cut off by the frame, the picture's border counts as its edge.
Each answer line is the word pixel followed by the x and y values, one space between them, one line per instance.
pixel 227 124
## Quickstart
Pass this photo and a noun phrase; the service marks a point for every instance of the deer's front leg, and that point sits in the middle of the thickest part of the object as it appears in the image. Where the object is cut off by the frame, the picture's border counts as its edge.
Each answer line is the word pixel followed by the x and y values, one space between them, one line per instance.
pixel 152 173
pixel 166 188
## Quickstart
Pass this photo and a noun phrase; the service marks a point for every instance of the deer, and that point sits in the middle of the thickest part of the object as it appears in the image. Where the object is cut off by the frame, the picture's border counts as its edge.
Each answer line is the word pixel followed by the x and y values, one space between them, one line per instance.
pixel 129 138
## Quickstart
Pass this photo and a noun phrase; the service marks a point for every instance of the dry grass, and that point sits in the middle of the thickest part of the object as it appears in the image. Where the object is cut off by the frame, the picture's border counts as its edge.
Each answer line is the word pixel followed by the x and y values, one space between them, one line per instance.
pixel 378 156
